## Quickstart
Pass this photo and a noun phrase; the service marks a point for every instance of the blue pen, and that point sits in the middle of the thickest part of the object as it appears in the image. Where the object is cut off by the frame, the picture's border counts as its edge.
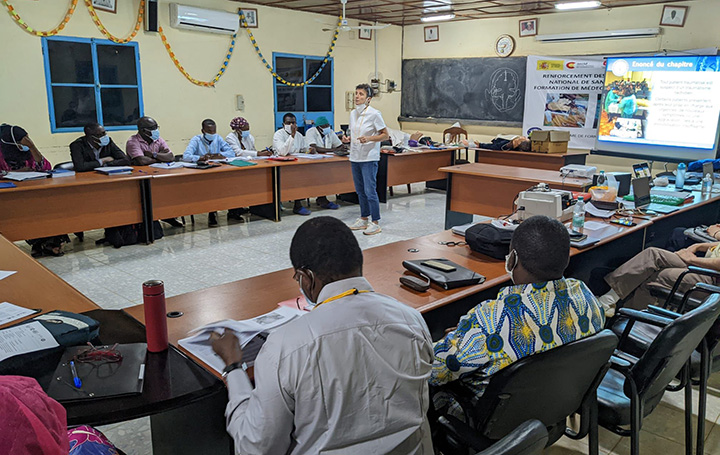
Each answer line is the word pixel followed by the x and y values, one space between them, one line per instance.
pixel 76 379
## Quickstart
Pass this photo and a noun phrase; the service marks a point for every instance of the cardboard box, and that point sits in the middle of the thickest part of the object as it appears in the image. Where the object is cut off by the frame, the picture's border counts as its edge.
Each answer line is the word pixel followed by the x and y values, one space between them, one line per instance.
pixel 550 141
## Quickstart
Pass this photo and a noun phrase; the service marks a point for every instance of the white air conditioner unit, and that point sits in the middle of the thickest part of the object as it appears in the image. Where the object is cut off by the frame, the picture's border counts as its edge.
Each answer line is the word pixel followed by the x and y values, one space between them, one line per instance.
pixel 606 34
pixel 203 20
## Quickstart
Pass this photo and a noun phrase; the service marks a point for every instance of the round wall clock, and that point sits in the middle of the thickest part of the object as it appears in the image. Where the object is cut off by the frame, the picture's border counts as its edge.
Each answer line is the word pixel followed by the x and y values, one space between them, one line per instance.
pixel 504 46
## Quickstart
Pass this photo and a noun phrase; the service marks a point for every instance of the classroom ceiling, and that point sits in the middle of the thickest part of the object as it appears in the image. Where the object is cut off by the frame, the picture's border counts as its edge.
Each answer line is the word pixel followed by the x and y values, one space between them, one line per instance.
pixel 408 12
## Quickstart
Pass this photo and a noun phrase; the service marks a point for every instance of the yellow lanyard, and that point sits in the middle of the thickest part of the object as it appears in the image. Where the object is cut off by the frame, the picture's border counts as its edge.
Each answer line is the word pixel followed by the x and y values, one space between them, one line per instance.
pixel 353 291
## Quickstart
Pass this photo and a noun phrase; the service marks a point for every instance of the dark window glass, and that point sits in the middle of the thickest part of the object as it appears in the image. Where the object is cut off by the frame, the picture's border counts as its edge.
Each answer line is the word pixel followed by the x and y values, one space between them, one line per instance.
pixel 324 76
pixel 74 106
pixel 319 99
pixel 290 99
pixel 290 69
pixel 70 63
pixel 120 106
pixel 116 65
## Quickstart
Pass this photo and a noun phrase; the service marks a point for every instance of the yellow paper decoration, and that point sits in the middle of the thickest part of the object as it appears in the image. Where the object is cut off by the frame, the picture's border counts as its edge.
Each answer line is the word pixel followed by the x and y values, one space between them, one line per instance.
pixel 22 24
pixel 110 36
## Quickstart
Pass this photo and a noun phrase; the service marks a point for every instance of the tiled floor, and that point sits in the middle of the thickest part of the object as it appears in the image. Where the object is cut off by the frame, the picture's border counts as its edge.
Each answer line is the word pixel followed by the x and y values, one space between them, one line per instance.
pixel 197 257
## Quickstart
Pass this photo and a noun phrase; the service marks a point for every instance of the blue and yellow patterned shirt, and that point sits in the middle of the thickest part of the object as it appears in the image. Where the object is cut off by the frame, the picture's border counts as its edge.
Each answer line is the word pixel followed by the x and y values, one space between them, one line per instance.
pixel 521 321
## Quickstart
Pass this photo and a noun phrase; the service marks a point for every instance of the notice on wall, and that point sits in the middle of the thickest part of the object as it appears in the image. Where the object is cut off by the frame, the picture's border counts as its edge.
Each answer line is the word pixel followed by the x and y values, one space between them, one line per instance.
pixel 564 93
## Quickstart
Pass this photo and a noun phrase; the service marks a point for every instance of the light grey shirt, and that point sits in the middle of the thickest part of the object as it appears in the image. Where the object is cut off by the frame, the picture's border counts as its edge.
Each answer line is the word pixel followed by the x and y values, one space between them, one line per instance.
pixel 329 141
pixel 285 144
pixel 241 147
pixel 350 377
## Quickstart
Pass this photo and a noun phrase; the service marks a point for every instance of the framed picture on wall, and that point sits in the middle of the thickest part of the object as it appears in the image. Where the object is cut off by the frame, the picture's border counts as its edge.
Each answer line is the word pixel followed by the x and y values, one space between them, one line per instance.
pixel 673 16
pixel 105 5
pixel 528 27
pixel 364 33
pixel 251 17
pixel 432 33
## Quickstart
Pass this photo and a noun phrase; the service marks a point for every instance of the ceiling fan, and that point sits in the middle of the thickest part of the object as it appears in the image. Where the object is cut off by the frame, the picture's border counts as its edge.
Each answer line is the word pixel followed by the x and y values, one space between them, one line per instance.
pixel 346 28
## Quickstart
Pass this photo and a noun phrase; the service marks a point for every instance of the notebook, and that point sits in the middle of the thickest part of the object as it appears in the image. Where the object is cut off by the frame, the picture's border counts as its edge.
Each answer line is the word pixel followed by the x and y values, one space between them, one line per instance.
pixel 22 176
pixel 114 170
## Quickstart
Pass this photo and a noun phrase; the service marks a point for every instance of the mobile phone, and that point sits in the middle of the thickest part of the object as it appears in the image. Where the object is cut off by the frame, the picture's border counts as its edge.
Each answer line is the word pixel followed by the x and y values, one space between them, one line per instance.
pixel 623 222
pixel 439 266
pixel 576 238
pixel 415 283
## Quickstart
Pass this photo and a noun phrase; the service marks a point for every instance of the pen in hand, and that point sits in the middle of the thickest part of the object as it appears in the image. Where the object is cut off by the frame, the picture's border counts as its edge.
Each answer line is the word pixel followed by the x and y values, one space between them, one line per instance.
pixel 76 379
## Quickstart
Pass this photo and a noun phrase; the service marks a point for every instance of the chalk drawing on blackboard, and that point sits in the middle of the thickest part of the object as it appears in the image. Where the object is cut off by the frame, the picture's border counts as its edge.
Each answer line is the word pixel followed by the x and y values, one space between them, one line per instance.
pixel 504 91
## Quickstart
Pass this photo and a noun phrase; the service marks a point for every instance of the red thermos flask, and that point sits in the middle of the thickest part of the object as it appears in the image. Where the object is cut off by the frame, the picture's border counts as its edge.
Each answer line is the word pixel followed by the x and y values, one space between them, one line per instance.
pixel 155 319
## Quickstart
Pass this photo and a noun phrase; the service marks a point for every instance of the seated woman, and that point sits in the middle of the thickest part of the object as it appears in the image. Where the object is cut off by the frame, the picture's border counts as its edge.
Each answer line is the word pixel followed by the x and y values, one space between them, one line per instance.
pixel 503 142
pixel 19 154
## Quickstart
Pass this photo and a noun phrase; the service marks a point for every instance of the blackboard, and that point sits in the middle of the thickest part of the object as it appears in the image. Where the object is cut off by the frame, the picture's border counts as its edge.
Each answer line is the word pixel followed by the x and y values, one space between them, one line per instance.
pixel 480 90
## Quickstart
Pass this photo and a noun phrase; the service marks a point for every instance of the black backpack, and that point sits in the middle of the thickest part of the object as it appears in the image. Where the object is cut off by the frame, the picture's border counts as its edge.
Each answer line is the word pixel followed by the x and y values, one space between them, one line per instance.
pixel 489 240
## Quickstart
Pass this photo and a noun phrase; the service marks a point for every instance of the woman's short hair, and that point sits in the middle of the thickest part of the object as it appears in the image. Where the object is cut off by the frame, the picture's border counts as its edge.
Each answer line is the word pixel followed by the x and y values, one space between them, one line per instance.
pixel 367 88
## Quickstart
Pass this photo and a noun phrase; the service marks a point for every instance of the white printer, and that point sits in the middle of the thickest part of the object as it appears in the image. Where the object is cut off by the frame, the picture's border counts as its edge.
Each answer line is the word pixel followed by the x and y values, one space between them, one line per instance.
pixel 579 171
pixel 541 200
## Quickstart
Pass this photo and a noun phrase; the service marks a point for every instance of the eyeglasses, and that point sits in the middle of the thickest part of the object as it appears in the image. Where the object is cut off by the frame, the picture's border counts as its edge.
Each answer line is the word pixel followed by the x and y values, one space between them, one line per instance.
pixel 453 243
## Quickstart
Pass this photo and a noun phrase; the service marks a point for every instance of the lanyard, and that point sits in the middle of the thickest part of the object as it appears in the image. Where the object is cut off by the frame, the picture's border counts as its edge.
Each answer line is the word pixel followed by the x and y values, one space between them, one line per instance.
pixel 361 117
pixel 353 291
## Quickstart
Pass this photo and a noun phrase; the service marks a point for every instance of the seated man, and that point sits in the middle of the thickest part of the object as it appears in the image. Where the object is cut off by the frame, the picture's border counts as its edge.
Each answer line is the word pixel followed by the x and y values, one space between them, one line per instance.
pixel 540 311
pixel 504 142
pixel 96 149
pixel 289 141
pixel 348 377
pixel 147 147
pixel 655 265
pixel 241 141
pixel 322 139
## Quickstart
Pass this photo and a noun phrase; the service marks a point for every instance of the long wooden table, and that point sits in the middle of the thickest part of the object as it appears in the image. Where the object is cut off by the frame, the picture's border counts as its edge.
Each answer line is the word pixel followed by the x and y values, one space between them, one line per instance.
pixel 491 189
pixel 413 166
pixel 548 161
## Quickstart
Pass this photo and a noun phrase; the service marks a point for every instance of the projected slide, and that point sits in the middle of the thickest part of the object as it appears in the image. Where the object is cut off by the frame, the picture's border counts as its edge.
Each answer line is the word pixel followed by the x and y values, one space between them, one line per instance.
pixel 661 101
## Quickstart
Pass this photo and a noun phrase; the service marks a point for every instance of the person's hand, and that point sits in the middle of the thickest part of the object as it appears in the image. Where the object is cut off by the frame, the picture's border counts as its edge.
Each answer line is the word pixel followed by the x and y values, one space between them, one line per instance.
pixel 293 129
pixel 465 143
pixel 107 160
pixel 450 329
pixel 363 140
pixel 416 136
pixel 344 139
pixel 215 156
pixel 264 153
pixel 713 230
pixel 227 346
pixel 687 256
pixel 312 150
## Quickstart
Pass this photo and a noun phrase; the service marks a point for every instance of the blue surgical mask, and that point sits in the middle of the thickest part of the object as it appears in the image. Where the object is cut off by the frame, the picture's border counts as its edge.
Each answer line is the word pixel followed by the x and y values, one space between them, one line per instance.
pixel 245 133
pixel 326 131
pixel 23 148
pixel 104 140
pixel 209 137
pixel 307 298
pixel 155 134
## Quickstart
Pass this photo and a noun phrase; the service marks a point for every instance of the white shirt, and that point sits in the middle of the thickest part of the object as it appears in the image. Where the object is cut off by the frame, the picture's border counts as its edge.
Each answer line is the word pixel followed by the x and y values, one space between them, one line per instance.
pixel 369 123
pixel 329 141
pixel 350 377
pixel 284 144
pixel 247 142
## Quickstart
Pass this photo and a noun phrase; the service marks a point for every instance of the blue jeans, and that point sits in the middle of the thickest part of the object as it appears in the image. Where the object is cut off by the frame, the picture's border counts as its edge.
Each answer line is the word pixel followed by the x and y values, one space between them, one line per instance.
pixel 365 178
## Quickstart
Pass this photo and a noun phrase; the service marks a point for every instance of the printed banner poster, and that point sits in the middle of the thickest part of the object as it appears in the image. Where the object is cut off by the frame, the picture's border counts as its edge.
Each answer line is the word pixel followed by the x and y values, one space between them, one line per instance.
pixel 564 93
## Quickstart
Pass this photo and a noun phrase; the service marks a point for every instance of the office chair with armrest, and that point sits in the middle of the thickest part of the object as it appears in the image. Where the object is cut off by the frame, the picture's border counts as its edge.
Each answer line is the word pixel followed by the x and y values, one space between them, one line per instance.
pixel 548 386
pixel 634 386
pixel 529 438
pixel 453 135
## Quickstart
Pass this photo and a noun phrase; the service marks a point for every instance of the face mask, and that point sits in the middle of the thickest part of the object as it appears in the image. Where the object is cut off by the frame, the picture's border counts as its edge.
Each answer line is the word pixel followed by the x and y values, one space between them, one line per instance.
pixel 155 135
pixel 23 148
pixel 307 298
pixel 288 128
pixel 245 133
pixel 360 108
pixel 326 131
pixel 209 137
pixel 507 268
pixel 105 140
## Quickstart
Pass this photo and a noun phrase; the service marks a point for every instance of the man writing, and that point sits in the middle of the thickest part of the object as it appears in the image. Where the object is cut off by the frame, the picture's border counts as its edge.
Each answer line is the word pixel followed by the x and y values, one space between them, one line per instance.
pixel 147 147
pixel 348 377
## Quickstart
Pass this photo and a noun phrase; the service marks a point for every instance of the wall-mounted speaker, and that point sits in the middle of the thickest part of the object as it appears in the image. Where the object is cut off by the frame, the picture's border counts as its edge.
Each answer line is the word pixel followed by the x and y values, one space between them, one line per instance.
pixel 151 15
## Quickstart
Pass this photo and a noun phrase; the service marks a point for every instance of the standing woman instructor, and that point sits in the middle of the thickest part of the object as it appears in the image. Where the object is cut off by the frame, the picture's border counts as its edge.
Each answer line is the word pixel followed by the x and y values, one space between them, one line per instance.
pixel 367 131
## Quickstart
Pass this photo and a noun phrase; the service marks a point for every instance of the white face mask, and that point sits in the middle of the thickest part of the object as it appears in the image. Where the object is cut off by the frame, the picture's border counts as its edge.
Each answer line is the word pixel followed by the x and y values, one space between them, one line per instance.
pixel 307 298
pixel 288 128
pixel 507 268
pixel 360 108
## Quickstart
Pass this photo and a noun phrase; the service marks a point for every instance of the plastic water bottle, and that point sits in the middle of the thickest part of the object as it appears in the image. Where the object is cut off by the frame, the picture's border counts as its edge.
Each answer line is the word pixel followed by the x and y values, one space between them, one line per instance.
pixel 707 183
pixel 680 176
pixel 601 180
pixel 578 219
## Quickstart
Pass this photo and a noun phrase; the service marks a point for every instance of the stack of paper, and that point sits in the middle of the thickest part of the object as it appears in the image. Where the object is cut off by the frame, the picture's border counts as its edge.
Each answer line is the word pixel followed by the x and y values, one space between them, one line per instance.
pixel 313 156
pixel 251 333
pixel 115 170
pixel 61 173
pixel 22 176
pixel 173 165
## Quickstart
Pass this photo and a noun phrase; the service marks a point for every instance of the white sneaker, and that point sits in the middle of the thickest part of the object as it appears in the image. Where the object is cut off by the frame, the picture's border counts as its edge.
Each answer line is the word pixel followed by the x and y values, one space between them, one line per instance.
pixel 372 229
pixel 359 224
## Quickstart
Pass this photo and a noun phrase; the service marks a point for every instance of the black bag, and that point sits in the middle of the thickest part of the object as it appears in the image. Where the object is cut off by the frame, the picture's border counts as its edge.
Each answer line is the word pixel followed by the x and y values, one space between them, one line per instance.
pixel 157 232
pixel 122 235
pixel 489 240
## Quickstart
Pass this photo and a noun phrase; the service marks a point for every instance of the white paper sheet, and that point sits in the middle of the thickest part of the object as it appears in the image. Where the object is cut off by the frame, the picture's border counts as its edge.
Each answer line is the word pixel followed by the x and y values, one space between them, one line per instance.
pixel 594 211
pixel 23 339
pixel 173 165
pixel 10 312
pixel 313 156
pixel 6 273
pixel 22 176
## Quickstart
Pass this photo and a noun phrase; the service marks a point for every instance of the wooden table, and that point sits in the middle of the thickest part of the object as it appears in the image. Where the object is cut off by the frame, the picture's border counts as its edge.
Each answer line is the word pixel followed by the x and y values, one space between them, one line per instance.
pixel 491 189
pixel 310 178
pixel 85 201
pixel 548 161
pixel 413 166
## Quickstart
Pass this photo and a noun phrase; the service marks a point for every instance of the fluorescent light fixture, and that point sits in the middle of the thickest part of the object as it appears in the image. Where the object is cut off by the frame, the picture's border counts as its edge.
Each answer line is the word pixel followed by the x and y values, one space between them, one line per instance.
pixel 438 17
pixel 602 35
pixel 578 5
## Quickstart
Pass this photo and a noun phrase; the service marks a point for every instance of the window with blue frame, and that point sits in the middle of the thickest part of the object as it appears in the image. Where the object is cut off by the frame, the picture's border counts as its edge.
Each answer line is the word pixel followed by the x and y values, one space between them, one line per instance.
pixel 310 101
pixel 92 80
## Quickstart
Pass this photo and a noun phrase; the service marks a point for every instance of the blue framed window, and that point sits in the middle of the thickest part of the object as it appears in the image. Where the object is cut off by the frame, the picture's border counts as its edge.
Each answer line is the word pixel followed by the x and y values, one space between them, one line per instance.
pixel 310 101
pixel 92 80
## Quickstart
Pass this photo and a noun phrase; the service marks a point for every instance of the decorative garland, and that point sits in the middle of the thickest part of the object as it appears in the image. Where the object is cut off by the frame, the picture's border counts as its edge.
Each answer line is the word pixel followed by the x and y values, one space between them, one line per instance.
pixel 21 23
pixel 186 74
pixel 110 36
pixel 270 68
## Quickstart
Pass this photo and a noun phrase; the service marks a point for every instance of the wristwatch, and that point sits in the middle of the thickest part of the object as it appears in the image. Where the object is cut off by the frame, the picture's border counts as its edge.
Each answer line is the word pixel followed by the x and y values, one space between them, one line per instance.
pixel 233 366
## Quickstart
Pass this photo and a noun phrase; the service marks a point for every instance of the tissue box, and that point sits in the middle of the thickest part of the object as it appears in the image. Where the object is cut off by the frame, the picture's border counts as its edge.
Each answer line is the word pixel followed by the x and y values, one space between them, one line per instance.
pixel 550 141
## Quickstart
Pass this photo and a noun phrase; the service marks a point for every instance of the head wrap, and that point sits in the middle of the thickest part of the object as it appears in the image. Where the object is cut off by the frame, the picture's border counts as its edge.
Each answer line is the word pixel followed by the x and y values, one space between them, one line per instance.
pixel 321 121
pixel 238 122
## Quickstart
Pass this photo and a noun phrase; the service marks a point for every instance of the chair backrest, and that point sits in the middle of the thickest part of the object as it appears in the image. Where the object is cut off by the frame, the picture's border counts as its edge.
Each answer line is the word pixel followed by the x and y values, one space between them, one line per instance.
pixel 548 386
pixel 67 165
pixel 671 349
pixel 529 438
pixel 455 132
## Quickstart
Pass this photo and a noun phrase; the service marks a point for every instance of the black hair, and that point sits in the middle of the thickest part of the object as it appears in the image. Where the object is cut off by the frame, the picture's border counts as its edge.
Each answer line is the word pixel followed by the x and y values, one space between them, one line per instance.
pixel 208 122
pixel 328 247
pixel 90 128
pixel 288 115
pixel 367 88
pixel 543 247
pixel 525 145
pixel 145 122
